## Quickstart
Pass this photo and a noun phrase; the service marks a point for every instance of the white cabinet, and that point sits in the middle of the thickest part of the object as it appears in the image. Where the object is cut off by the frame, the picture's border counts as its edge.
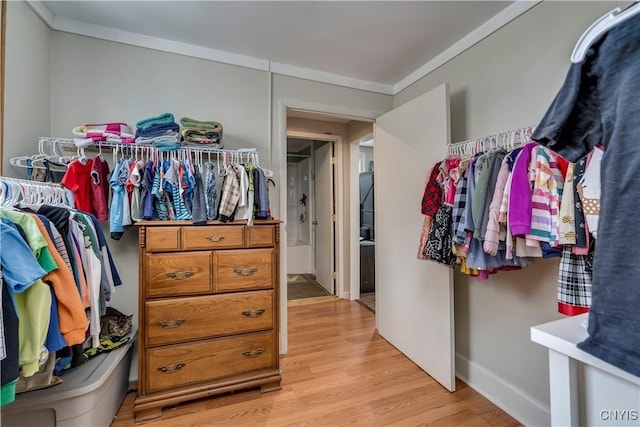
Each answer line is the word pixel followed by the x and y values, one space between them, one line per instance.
pixel 585 390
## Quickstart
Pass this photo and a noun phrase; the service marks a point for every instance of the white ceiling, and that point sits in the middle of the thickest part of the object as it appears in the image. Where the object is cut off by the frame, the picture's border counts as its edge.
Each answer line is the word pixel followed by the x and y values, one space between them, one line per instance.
pixel 365 44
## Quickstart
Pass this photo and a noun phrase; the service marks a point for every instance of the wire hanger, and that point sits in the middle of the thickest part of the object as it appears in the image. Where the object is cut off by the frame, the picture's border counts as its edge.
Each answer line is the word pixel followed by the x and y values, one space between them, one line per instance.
pixel 600 27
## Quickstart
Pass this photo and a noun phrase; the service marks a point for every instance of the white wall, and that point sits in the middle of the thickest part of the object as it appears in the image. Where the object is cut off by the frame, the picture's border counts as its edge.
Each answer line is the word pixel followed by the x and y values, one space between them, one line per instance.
pixel 368 156
pixel 27 84
pixel 358 129
pixel 126 83
pixel 504 82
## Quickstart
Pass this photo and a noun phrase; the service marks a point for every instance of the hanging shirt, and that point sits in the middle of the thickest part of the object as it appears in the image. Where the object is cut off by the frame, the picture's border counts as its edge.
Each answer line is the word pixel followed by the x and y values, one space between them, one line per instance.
pixel 567 225
pixel 199 200
pixel 261 195
pixel 92 268
pixel 211 192
pixel 159 199
pixel 100 188
pixel 34 237
pixel 20 268
pixel 10 367
pixel 520 194
pixel 133 188
pixel 116 212
pixel 78 180
pixel 230 195
pixel 589 190
pixel 582 242
pixel 598 104
pixel 496 231
pixel 146 187
pixel 250 192
pixel 242 210
pixel 495 163
pixel 123 177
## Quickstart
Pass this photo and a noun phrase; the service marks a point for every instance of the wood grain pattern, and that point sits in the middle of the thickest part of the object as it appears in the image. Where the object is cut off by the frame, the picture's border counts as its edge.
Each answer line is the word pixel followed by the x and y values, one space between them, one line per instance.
pixel 260 236
pixel 237 270
pixel 183 364
pixel 338 372
pixel 191 327
pixel 163 239
pixel 184 319
pixel 178 273
pixel 212 237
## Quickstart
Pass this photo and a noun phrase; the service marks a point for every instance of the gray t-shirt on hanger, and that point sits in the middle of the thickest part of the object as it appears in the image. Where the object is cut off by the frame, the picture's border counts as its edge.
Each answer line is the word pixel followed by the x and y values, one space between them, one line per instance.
pixel 599 103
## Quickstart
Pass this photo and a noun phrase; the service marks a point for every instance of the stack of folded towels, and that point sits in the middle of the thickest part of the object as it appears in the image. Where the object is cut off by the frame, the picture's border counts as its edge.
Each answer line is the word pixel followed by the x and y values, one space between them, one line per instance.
pixel 94 133
pixel 196 132
pixel 158 131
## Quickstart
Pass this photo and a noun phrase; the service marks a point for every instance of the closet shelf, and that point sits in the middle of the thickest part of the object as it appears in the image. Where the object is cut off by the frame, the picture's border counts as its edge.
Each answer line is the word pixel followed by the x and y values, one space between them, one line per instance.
pixel 240 153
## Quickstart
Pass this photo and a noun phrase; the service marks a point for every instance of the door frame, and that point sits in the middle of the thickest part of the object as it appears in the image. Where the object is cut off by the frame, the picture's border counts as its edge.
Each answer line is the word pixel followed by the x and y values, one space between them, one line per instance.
pixel 354 213
pixel 339 255
pixel 278 149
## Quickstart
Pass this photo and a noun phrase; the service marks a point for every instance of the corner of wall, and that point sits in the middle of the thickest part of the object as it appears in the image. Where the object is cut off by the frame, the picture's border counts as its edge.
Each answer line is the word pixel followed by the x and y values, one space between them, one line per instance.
pixel 517 403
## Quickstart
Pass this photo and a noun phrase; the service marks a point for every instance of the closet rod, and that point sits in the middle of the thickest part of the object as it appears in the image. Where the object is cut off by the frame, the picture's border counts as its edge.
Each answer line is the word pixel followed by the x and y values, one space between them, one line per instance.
pixel 16 190
pixel 29 182
pixel 69 142
pixel 507 140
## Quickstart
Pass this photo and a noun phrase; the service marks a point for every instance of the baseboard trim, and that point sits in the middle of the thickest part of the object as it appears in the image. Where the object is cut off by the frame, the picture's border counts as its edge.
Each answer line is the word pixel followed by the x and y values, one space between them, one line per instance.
pixel 520 405
pixel 133 385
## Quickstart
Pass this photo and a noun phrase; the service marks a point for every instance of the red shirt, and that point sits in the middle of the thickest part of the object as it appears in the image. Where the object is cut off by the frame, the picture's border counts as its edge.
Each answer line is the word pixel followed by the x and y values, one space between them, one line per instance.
pixel 78 180
pixel 100 188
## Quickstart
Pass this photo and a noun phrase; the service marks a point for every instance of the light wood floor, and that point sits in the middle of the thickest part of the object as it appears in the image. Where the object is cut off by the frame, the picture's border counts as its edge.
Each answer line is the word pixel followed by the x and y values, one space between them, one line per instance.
pixel 338 372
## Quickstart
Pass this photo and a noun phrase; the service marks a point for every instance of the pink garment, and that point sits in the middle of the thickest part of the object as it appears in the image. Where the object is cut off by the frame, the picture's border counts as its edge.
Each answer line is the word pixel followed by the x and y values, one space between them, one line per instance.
pixel 494 230
pixel 92 133
pixel 519 211
pixel 453 174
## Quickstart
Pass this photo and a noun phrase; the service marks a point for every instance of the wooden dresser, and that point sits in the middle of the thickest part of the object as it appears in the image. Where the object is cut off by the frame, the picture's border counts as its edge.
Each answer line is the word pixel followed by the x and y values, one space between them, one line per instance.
pixel 208 311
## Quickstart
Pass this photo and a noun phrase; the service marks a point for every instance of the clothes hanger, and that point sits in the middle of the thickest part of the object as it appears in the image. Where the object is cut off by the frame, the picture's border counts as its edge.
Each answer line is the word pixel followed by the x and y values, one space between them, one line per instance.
pixel 600 27
pixel 5 192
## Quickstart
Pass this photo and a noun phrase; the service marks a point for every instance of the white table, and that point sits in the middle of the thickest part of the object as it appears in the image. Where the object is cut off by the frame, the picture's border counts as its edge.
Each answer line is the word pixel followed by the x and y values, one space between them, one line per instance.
pixel 585 390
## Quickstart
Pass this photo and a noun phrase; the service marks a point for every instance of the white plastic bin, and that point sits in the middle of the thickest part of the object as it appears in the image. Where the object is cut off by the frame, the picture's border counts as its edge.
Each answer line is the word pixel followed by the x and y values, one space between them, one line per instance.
pixel 88 396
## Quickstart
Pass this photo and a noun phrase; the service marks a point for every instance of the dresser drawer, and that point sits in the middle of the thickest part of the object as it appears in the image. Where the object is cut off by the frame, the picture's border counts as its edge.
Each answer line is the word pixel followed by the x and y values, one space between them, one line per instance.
pixel 178 274
pixel 212 237
pixel 185 319
pixel 162 239
pixel 261 236
pixel 243 269
pixel 184 364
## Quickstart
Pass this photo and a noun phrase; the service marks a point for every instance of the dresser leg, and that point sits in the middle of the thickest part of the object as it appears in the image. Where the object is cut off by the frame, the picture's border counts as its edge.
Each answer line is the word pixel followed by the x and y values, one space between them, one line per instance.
pixel 266 388
pixel 148 414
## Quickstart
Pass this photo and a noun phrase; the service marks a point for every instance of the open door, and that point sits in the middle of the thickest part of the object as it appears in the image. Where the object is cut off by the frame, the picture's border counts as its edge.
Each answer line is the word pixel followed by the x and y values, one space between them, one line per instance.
pixel 324 224
pixel 414 298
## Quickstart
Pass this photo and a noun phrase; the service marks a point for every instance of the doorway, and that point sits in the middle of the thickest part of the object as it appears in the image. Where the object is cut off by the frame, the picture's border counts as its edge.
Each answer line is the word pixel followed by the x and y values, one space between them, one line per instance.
pixel 366 197
pixel 310 219
pixel 414 299
pixel 345 132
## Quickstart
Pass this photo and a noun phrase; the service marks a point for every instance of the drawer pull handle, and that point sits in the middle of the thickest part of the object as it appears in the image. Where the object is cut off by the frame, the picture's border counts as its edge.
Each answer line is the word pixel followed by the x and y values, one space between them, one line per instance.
pixel 253 353
pixel 245 271
pixel 180 275
pixel 169 324
pixel 217 238
pixel 254 313
pixel 175 369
